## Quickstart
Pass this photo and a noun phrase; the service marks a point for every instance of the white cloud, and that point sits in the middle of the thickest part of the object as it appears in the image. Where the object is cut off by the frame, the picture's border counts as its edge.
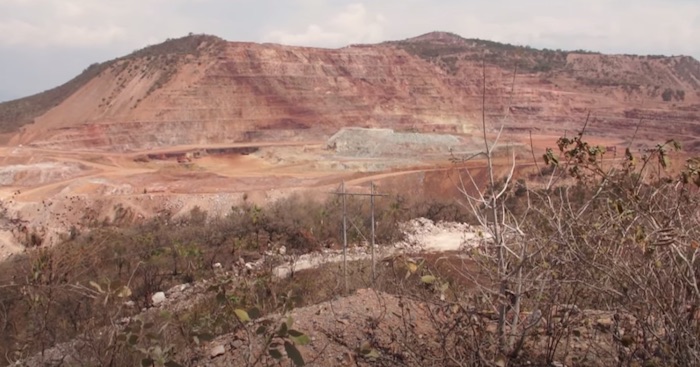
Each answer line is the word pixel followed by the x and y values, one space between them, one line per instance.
pixel 353 24
pixel 88 23
pixel 644 26
pixel 16 32
pixel 71 34
pixel 71 10
pixel 613 26
pixel 65 23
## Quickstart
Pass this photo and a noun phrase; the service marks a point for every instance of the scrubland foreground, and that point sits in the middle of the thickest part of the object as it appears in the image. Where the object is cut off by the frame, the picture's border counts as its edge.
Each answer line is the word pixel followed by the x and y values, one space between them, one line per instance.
pixel 587 262
pixel 591 260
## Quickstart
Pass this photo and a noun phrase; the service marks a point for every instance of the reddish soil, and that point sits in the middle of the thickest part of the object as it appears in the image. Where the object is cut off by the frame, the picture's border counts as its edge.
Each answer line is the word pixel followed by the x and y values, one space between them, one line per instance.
pixel 203 122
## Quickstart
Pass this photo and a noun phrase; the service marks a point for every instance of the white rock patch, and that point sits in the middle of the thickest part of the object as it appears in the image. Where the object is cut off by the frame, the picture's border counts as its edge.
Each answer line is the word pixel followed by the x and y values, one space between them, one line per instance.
pixel 422 235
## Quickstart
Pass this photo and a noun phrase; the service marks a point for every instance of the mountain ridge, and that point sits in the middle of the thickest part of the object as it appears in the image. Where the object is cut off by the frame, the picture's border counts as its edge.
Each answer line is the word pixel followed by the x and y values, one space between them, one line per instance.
pixel 429 82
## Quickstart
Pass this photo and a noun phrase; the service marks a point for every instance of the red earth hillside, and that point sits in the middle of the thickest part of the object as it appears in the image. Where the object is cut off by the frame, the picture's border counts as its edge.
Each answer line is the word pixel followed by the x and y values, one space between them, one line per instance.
pixel 202 122
pixel 203 89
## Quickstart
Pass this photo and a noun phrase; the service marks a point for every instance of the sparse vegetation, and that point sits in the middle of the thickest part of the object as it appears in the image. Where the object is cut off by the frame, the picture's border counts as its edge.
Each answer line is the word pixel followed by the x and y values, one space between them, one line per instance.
pixel 588 262
pixel 611 242
pixel 669 95
pixel 53 295
pixel 598 264
pixel 447 53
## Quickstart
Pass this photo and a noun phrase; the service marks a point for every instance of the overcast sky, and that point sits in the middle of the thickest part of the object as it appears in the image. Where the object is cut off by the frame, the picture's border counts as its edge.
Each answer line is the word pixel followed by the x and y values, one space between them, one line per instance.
pixel 44 43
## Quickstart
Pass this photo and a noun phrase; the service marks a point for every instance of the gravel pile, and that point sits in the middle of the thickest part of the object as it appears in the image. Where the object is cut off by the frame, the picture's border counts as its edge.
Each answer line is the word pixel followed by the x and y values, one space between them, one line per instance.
pixel 39 173
pixel 367 143
pixel 423 234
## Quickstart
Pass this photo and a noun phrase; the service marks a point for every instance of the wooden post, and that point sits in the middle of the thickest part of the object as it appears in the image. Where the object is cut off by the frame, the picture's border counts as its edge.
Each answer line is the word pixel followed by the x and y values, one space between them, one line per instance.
pixel 345 241
pixel 371 200
pixel 344 194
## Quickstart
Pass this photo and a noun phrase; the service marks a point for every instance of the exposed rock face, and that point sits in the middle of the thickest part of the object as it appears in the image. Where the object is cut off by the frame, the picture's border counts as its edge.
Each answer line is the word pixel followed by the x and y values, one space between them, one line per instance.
pixel 202 89
pixel 240 92
pixel 555 90
pixel 196 96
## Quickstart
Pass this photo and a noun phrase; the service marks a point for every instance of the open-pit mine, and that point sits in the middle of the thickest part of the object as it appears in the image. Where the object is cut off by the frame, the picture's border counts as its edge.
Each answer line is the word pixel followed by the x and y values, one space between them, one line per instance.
pixel 203 122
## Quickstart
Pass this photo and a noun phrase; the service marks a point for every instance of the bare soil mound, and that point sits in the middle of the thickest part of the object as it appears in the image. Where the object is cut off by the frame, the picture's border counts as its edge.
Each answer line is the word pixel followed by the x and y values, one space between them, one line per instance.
pixel 358 142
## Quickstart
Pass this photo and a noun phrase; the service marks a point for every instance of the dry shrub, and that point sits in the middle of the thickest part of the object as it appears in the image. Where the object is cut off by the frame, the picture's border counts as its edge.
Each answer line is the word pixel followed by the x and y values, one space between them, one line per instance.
pixel 50 295
pixel 599 272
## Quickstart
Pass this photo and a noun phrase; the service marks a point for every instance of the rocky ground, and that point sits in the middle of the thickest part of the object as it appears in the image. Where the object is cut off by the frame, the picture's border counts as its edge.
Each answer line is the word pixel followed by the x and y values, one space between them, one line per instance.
pixel 333 327
pixel 51 193
pixel 367 327
pixel 371 328
pixel 422 235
